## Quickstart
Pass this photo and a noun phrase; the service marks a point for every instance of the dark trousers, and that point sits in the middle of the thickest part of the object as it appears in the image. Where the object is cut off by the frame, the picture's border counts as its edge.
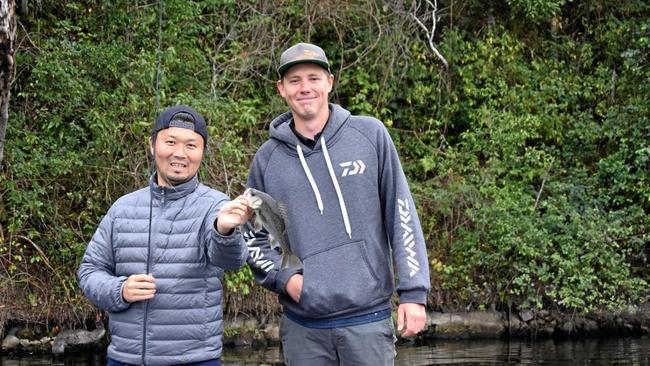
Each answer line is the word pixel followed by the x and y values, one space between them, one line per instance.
pixel 371 344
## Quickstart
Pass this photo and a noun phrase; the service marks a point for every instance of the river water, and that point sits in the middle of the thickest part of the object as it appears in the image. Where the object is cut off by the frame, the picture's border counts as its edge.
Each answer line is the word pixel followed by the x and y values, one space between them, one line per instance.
pixel 610 351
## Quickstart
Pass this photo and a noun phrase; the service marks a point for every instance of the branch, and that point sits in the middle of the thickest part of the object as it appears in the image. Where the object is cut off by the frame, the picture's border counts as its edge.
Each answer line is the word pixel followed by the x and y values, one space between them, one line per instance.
pixel 539 193
pixel 370 47
pixel 430 33
pixel 49 265
pixel 7 38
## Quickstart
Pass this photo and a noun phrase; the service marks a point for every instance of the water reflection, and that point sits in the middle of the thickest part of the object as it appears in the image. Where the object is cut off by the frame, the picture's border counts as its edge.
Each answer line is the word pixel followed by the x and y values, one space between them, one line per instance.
pixel 252 357
pixel 622 351
pixel 80 359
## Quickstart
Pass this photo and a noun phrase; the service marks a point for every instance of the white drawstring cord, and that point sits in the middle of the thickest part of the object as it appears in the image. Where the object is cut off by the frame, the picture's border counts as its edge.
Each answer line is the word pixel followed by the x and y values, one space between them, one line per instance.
pixel 314 187
pixel 344 210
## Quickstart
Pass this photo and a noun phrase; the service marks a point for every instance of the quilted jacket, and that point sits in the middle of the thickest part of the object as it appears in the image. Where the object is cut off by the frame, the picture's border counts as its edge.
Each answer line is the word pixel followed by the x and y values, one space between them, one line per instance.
pixel 183 322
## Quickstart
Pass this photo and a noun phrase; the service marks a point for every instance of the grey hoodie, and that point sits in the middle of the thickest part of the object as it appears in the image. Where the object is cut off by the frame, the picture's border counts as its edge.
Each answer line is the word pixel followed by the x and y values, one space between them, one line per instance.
pixel 349 208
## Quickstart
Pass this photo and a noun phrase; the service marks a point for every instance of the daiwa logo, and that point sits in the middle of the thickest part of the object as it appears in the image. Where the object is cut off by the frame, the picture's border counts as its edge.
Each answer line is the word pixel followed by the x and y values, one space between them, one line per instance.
pixel 353 167
pixel 408 238
pixel 256 253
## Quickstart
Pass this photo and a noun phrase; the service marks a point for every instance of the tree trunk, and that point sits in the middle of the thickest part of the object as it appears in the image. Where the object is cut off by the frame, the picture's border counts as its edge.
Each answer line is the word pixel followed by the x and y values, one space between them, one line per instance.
pixel 7 37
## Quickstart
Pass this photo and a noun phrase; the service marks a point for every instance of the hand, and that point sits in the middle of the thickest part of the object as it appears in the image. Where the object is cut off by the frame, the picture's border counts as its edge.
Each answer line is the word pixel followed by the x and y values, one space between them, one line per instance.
pixel 233 214
pixel 138 287
pixel 415 317
pixel 294 287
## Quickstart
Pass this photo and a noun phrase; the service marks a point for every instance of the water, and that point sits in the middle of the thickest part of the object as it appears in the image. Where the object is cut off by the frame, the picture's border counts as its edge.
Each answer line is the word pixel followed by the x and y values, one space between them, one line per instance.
pixel 619 351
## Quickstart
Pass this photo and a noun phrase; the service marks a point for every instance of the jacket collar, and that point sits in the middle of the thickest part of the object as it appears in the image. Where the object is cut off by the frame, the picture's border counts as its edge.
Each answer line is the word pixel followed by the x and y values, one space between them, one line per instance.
pixel 173 192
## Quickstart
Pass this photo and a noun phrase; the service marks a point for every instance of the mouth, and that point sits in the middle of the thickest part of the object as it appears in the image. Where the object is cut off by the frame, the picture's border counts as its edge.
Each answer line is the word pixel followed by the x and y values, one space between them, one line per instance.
pixel 177 165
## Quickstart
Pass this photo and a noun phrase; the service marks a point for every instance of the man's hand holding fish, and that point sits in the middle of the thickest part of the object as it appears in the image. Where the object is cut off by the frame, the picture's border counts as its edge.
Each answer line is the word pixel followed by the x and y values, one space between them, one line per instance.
pixel 233 214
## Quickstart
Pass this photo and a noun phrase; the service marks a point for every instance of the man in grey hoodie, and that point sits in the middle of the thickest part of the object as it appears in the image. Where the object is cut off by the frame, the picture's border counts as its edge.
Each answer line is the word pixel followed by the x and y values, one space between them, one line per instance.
pixel 155 261
pixel 351 215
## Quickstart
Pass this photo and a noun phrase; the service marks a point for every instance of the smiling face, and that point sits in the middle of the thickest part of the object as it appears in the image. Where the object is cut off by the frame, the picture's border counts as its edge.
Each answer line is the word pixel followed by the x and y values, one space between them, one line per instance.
pixel 305 88
pixel 178 153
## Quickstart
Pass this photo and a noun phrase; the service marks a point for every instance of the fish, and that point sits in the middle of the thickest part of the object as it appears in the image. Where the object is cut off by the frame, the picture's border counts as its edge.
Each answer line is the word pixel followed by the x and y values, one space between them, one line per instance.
pixel 273 216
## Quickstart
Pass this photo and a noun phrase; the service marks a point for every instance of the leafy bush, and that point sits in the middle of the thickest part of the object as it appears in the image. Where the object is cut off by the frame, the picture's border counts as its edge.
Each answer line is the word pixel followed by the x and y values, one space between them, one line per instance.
pixel 529 157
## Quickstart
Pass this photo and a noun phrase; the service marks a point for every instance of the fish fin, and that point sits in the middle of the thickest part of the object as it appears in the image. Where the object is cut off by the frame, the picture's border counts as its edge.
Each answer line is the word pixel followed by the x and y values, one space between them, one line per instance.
pixel 257 223
pixel 273 242
pixel 290 261
pixel 283 211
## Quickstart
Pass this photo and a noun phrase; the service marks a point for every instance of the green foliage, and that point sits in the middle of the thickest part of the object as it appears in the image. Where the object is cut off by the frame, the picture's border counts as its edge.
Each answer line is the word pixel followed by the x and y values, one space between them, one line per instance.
pixel 536 10
pixel 550 219
pixel 239 281
pixel 529 158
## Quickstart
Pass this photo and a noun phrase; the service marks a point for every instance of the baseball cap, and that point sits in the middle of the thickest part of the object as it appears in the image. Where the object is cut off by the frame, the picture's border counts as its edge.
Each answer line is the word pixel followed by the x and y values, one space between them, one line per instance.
pixel 181 116
pixel 302 53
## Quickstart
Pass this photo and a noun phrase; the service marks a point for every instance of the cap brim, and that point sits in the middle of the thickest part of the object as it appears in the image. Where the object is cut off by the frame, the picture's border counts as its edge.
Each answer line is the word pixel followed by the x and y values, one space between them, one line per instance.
pixel 283 69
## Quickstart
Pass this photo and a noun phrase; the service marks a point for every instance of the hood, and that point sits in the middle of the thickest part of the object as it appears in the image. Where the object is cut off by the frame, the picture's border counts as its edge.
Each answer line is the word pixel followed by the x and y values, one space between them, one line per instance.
pixel 281 131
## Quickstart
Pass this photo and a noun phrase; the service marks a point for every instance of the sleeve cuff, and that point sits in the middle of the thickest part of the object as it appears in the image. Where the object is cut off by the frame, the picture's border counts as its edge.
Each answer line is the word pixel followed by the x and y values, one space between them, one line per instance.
pixel 282 279
pixel 120 303
pixel 228 240
pixel 413 296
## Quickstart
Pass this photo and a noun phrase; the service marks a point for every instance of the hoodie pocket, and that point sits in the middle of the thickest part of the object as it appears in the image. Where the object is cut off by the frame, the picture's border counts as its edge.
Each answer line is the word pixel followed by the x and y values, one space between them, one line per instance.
pixel 338 279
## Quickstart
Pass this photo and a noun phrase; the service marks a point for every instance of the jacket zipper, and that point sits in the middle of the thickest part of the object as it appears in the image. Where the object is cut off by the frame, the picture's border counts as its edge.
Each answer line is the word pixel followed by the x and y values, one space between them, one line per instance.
pixel 146 303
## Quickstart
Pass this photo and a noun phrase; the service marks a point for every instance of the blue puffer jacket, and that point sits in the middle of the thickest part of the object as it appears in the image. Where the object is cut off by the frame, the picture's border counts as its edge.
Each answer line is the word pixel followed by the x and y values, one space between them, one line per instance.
pixel 186 255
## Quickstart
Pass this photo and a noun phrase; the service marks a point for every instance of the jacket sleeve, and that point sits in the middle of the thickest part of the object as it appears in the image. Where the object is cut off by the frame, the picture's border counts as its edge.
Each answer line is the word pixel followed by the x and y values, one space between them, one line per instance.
pixel 263 260
pixel 403 225
pixel 223 251
pixel 96 273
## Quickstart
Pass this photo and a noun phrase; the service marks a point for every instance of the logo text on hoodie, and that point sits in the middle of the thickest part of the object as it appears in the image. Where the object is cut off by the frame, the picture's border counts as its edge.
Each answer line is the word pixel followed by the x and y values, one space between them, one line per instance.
pixel 256 253
pixel 353 167
pixel 408 238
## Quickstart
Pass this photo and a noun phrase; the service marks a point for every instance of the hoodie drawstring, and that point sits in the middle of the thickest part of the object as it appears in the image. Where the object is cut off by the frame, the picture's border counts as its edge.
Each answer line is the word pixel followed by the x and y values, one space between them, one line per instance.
pixel 310 178
pixel 314 187
pixel 344 211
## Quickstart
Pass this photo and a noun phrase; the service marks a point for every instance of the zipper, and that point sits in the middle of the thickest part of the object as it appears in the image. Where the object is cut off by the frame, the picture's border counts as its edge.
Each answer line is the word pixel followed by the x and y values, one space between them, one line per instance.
pixel 144 331
pixel 146 302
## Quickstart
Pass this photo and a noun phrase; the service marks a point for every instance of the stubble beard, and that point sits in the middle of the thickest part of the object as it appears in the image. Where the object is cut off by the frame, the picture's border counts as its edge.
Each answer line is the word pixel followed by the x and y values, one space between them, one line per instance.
pixel 172 181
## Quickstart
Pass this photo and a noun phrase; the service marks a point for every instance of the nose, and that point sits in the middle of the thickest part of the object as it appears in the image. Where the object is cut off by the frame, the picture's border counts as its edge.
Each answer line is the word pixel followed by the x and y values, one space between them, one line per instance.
pixel 303 88
pixel 179 151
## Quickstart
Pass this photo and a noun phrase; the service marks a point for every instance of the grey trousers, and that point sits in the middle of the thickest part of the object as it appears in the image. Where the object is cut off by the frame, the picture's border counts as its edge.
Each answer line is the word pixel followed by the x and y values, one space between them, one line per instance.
pixel 366 344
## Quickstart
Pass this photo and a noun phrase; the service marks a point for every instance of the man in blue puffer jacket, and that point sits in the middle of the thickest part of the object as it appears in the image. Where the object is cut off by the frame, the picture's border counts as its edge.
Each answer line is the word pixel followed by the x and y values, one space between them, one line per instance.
pixel 155 261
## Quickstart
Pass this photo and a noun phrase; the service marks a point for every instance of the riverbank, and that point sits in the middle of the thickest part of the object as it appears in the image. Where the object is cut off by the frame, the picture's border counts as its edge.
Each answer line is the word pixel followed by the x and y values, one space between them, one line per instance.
pixel 21 338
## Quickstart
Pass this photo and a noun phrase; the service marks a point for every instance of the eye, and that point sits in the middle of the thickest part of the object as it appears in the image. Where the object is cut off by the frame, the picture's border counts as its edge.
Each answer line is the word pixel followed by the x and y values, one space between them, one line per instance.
pixel 169 142
pixel 191 146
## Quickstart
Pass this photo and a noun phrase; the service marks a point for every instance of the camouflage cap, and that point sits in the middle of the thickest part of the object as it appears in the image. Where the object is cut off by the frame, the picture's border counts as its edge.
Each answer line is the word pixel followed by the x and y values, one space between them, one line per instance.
pixel 302 53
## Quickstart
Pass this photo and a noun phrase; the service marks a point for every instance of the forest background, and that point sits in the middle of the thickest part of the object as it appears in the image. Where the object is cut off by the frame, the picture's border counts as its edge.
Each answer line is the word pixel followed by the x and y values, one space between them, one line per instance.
pixel 523 127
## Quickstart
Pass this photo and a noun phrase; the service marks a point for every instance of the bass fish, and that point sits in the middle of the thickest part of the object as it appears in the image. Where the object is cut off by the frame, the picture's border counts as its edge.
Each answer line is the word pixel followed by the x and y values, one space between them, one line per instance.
pixel 272 215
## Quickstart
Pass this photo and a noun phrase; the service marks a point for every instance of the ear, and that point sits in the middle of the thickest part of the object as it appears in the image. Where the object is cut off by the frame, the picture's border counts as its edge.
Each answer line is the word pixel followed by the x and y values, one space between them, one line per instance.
pixel 280 86
pixel 151 146
pixel 330 82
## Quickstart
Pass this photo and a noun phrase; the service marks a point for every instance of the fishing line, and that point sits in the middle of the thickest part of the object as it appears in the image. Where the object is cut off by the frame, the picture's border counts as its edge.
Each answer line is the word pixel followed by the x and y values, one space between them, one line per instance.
pixel 153 165
pixel 153 138
pixel 159 56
